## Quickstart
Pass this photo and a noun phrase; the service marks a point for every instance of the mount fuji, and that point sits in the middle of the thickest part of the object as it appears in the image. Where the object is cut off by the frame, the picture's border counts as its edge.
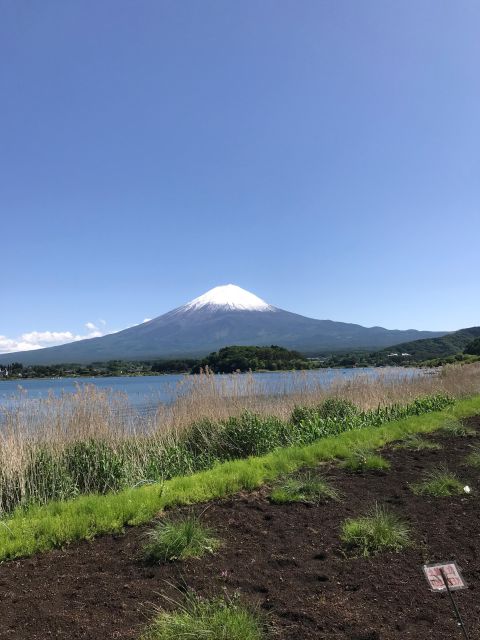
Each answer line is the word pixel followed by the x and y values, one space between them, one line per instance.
pixel 225 315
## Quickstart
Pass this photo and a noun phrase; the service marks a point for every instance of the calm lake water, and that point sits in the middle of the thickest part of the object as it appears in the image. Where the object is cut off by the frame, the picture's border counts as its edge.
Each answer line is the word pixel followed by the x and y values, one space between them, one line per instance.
pixel 146 392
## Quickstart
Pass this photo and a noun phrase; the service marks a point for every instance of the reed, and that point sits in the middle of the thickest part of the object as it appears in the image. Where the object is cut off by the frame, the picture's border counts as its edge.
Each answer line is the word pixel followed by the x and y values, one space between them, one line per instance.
pixel 92 441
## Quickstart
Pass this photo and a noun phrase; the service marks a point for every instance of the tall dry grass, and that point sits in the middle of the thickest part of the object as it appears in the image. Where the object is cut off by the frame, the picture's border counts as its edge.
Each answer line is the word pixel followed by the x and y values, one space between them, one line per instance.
pixel 219 397
pixel 92 440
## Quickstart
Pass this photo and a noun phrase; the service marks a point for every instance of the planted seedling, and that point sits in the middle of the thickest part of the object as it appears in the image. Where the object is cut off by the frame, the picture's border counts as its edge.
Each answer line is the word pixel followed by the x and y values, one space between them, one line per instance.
pixel 379 530
pixel 363 460
pixel 440 483
pixel 307 488
pixel 177 540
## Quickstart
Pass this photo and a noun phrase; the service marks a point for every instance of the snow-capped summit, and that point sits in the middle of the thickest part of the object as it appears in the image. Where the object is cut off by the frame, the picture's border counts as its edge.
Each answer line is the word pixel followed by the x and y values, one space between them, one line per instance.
pixel 228 297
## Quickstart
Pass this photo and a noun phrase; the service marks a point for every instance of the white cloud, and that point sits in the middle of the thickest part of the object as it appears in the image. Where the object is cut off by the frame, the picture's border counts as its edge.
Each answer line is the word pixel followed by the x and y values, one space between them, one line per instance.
pixel 40 339
pixel 146 319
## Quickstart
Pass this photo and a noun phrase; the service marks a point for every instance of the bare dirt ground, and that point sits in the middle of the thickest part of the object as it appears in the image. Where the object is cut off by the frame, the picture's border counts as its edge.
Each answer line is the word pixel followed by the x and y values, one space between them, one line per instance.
pixel 287 560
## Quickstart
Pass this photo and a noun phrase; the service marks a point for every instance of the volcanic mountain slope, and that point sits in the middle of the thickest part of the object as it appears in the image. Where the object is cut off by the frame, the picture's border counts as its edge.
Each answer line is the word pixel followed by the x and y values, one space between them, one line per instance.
pixel 223 316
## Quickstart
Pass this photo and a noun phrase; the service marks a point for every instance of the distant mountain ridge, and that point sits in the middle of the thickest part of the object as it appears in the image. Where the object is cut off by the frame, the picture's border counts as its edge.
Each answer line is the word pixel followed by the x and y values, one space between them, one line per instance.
pixel 226 315
pixel 440 347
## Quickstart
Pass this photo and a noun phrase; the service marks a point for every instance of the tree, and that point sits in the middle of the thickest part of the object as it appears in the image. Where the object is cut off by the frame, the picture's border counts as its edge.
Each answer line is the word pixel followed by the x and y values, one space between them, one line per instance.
pixel 473 348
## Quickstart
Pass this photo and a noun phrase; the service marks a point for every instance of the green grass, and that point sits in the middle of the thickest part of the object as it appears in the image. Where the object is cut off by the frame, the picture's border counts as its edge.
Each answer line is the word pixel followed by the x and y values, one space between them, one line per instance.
pixel 216 619
pixel 417 443
pixel 307 488
pixel 473 458
pixel 439 483
pixel 178 539
pixel 39 528
pixel 455 429
pixel 363 460
pixel 375 532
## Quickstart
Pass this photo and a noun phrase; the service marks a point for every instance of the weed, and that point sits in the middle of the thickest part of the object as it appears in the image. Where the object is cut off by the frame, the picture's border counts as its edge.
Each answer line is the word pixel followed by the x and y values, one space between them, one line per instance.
pixel 473 458
pixel 306 488
pixel 178 540
pixel 377 531
pixel 456 429
pixel 439 483
pixel 417 443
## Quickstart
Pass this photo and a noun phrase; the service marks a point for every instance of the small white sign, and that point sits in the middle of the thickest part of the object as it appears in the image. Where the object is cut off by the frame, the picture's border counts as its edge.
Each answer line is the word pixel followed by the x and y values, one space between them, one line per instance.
pixel 451 572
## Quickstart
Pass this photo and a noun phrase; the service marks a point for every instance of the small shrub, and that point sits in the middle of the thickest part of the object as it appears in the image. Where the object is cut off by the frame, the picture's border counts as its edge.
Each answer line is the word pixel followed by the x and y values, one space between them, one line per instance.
pixel 301 413
pixel 377 531
pixel 417 443
pixel 94 466
pixel 433 402
pixel 337 408
pixel 216 619
pixel 473 459
pixel 306 488
pixel 178 540
pixel 361 461
pixel 252 434
pixel 201 436
pixel 456 429
pixel 46 478
pixel 439 483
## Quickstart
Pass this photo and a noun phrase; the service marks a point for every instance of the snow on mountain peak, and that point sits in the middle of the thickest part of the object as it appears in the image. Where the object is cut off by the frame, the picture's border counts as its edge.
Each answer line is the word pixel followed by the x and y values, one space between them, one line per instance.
pixel 229 297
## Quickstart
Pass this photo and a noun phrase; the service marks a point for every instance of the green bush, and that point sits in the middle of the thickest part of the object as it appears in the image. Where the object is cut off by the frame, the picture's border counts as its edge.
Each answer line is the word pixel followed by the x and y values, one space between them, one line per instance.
pixel 337 408
pixel 46 478
pixel 178 540
pixel 252 435
pixel 335 416
pixel 94 466
pixel 377 531
pixel 11 491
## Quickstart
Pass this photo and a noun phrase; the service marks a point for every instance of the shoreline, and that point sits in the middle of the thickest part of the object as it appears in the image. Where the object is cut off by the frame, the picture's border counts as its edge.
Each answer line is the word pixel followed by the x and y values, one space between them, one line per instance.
pixel 153 374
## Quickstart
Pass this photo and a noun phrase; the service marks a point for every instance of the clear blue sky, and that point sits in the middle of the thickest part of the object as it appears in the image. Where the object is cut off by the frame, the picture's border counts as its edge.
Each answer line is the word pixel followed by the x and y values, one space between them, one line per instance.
pixel 324 155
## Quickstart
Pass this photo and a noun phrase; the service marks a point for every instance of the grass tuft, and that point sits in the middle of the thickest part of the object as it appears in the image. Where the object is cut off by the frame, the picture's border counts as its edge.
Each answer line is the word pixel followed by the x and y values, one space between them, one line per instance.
pixel 455 429
pixel 473 459
pixel 417 443
pixel 216 619
pixel 178 540
pixel 377 531
pixel 306 488
pixel 439 483
pixel 363 460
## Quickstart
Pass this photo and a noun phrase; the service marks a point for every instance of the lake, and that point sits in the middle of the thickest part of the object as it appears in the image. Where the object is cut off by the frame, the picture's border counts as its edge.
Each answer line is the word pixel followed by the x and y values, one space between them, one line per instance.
pixel 144 393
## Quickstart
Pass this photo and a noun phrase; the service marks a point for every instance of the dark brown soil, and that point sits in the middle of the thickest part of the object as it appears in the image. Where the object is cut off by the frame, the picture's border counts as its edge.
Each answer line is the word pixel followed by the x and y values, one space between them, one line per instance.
pixel 287 560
